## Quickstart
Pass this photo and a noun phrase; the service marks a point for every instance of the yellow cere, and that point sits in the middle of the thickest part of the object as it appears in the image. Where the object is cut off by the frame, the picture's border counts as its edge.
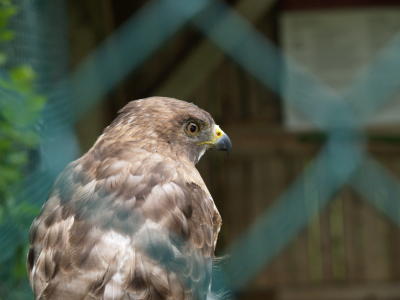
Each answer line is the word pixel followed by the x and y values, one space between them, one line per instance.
pixel 218 133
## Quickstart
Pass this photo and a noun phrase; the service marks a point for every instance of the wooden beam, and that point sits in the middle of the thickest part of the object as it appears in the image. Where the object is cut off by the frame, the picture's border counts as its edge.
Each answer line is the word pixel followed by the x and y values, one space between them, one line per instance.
pixel 334 4
pixel 250 139
pixel 260 139
pixel 206 57
pixel 383 291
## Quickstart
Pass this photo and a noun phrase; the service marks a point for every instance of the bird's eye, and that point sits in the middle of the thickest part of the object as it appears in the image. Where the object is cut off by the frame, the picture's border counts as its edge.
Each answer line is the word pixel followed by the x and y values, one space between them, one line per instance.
pixel 192 128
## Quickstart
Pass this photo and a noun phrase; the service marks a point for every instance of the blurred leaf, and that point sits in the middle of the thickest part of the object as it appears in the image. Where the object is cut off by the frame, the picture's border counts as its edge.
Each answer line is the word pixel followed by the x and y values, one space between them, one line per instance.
pixel 6 12
pixel 4 144
pixel 22 76
pixel 38 103
pixel 22 210
pixel 30 139
pixel 6 35
pixel 20 111
pixel 17 158
pixel 8 173
pixel 20 265
pixel 3 58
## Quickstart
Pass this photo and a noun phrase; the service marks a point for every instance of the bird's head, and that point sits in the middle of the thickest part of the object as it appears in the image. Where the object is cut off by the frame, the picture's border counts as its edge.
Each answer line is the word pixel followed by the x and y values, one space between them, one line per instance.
pixel 170 126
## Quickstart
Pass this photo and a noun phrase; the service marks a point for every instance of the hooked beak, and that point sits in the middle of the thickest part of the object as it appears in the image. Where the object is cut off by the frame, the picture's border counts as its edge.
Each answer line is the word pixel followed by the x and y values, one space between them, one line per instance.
pixel 220 140
pixel 224 143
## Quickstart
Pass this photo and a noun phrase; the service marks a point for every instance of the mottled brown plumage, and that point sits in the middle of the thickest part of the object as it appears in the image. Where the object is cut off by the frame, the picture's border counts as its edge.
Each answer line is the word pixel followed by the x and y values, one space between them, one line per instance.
pixel 132 218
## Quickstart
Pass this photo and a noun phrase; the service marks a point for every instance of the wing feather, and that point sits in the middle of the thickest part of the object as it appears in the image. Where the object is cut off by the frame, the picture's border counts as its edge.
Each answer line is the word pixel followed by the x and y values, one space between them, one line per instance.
pixel 114 229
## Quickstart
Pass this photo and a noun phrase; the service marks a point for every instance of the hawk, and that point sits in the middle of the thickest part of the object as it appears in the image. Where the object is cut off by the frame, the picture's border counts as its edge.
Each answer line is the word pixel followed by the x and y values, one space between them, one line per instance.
pixel 132 218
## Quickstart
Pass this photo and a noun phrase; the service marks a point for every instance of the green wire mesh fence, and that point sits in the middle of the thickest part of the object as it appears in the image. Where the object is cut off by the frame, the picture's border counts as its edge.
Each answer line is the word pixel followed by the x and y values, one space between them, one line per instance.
pixel 41 41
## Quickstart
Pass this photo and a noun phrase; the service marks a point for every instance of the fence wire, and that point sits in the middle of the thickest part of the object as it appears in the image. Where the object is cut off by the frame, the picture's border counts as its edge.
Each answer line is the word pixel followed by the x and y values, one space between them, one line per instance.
pixel 343 159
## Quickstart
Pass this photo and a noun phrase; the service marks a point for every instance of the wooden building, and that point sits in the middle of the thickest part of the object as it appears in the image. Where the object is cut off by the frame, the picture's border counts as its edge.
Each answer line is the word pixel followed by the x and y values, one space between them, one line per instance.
pixel 350 250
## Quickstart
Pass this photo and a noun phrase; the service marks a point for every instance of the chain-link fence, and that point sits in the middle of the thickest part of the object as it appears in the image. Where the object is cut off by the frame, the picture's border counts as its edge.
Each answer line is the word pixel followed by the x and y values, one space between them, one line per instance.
pixel 41 41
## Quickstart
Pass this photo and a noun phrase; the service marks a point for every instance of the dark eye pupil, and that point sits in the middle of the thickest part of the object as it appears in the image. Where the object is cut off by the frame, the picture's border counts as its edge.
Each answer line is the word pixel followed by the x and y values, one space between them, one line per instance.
pixel 193 128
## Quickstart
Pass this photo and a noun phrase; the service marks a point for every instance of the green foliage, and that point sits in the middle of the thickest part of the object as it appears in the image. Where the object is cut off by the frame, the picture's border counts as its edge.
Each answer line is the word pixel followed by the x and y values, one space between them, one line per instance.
pixel 20 110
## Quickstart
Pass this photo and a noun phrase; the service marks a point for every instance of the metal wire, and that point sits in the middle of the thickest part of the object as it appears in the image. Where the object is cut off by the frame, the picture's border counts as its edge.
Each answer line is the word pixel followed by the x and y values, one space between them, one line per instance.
pixel 341 161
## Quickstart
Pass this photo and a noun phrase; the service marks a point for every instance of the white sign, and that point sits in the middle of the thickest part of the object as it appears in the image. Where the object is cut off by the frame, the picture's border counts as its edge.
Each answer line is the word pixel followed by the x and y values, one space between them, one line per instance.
pixel 335 46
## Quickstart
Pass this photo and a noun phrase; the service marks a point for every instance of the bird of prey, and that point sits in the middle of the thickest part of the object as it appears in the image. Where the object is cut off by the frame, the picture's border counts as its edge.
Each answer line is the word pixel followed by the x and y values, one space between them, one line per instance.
pixel 132 218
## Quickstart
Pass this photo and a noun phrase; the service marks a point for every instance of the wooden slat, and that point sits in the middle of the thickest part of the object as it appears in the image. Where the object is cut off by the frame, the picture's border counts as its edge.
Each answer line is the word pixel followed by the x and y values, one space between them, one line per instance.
pixel 315 255
pixel 288 270
pixel 263 103
pixel 375 241
pixel 338 239
pixel 216 89
pixel 230 93
pixel 379 291
pixel 265 294
pixel 284 264
pixel 326 245
pixel 393 256
pixel 314 249
pixel 326 4
pixel 394 232
pixel 88 27
pixel 269 180
pixel 298 263
pixel 205 58
pixel 233 195
pixel 353 236
pixel 118 96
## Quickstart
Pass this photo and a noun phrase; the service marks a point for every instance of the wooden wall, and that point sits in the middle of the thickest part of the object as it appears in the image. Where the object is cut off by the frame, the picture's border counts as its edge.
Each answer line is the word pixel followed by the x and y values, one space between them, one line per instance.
pixel 318 4
pixel 350 251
